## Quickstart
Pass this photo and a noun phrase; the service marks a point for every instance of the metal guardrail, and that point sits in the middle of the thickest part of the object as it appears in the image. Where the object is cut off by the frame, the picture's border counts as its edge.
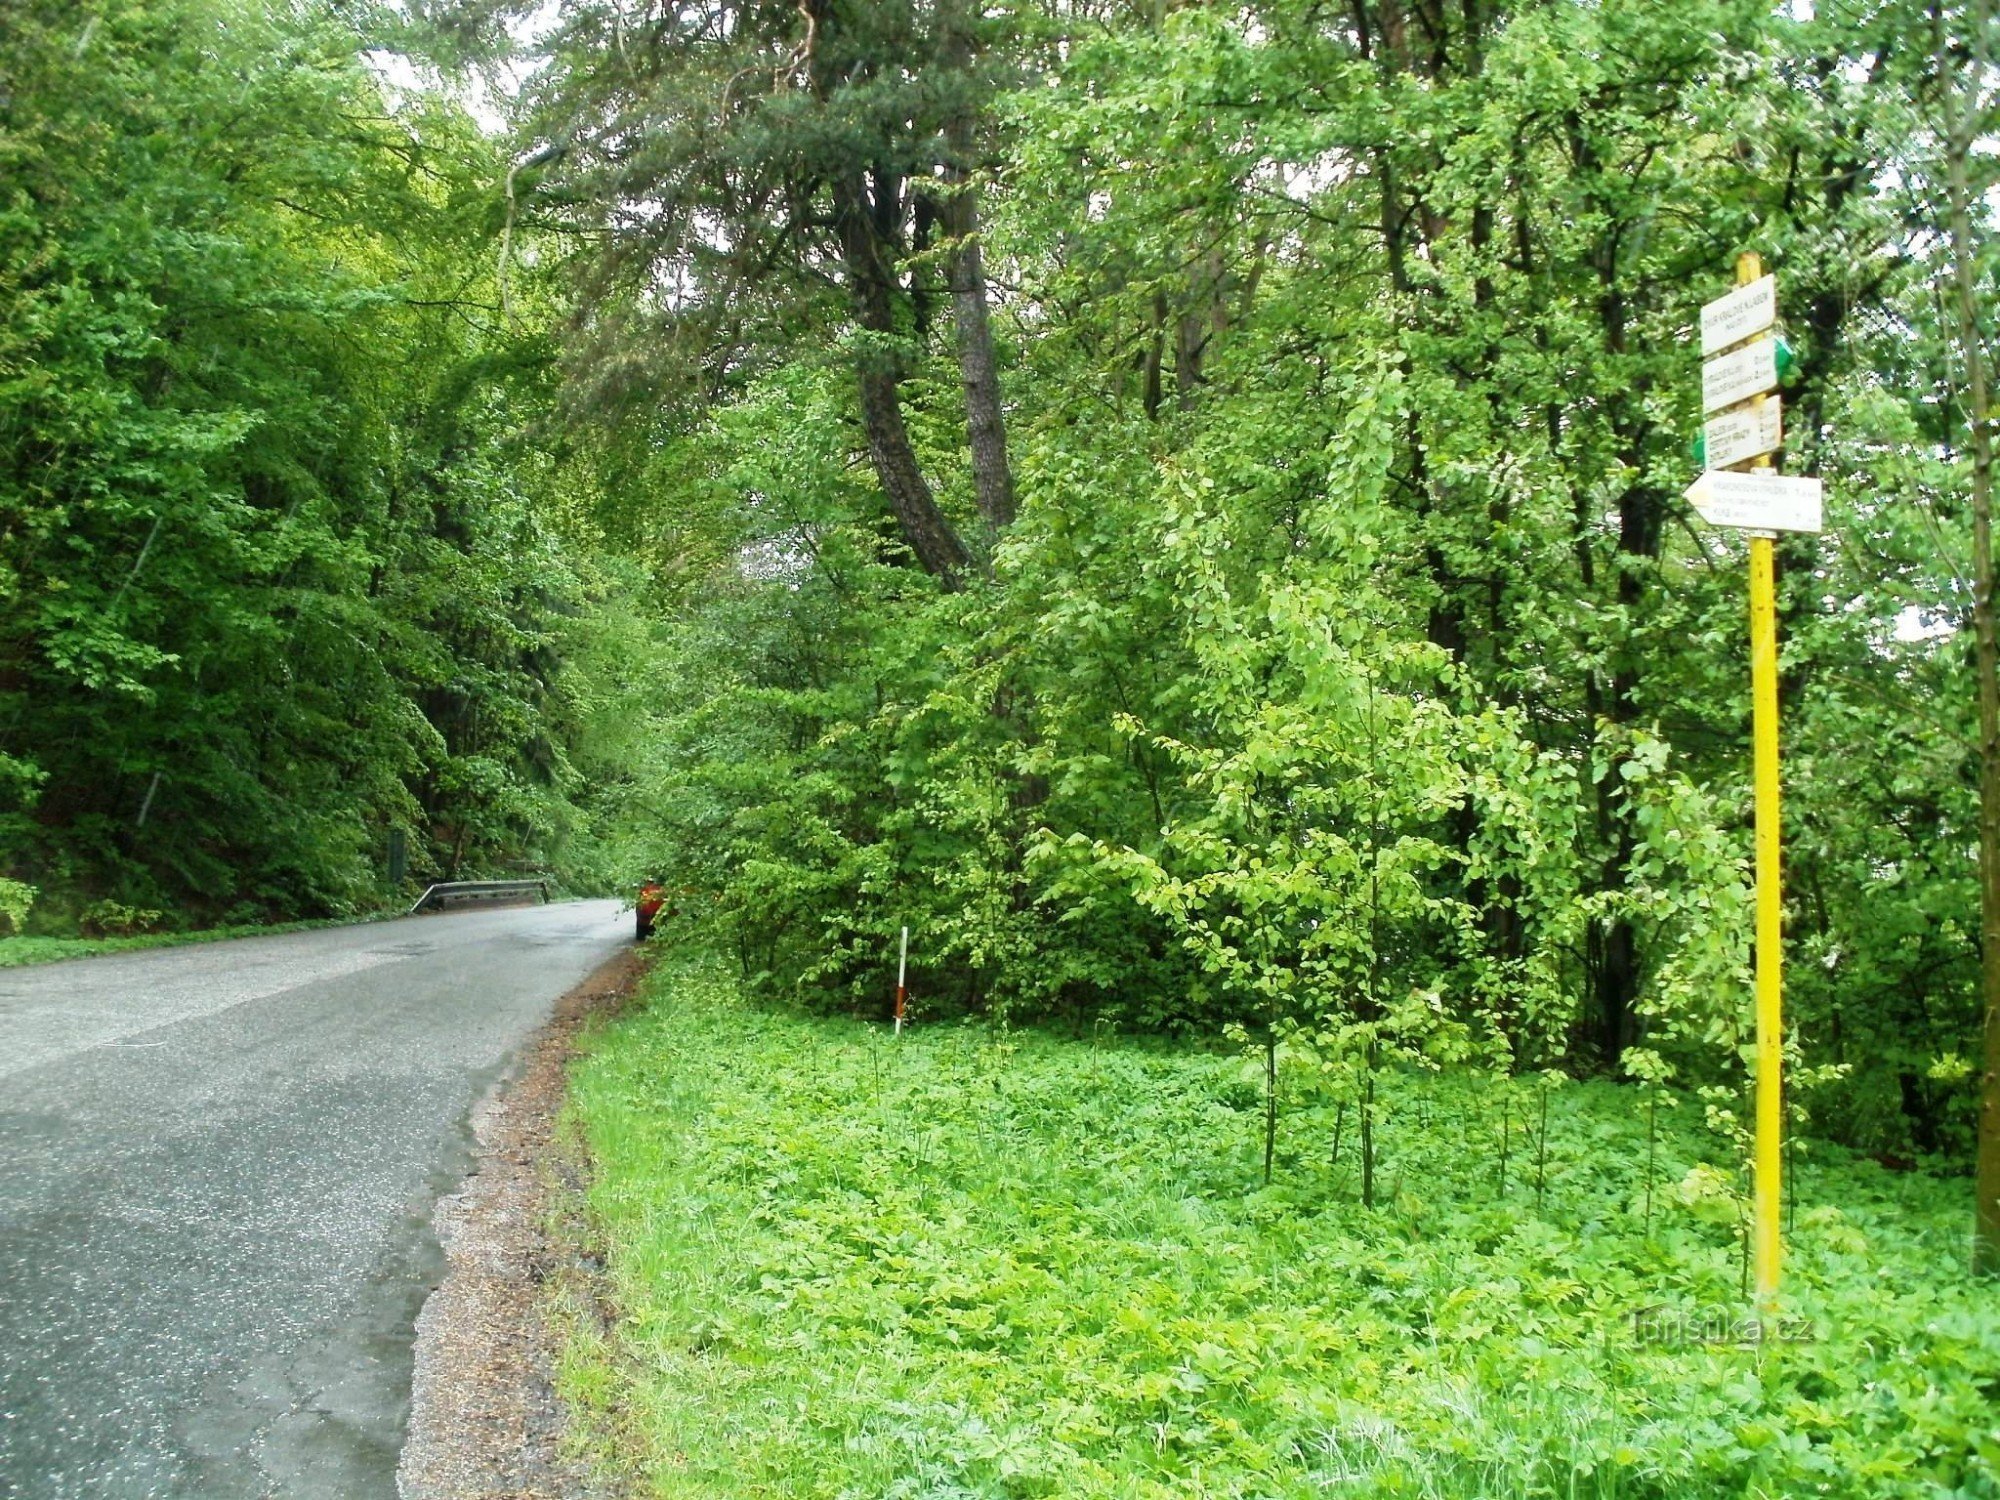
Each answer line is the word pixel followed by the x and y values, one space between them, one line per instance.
pixel 451 893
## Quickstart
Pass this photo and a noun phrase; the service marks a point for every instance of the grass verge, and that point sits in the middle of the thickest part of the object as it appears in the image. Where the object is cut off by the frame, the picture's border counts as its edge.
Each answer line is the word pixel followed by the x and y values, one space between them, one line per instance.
pixel 17 952
pixel 978 1263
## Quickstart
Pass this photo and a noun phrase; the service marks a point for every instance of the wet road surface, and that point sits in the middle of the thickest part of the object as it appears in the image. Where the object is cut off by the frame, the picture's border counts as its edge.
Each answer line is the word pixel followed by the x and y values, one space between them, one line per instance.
pixel 217 1168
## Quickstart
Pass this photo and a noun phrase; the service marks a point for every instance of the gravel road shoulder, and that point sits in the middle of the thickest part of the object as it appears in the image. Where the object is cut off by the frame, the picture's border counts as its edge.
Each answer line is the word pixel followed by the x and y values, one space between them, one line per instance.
pixel 485 1420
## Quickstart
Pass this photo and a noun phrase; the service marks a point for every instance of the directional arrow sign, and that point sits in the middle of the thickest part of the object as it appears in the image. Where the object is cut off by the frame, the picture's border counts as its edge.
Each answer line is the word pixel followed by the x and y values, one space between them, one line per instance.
pixel 1731 437
pixel 1739 375
pixel 1747 310
pixel 1761 502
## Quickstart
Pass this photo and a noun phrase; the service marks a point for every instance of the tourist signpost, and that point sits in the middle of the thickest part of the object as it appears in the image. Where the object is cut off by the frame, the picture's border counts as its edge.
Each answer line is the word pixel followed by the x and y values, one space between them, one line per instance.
pixel 1740 374
pixel 1743 360
pixel 1743 314
pixel 1759 501
pixel 1742 434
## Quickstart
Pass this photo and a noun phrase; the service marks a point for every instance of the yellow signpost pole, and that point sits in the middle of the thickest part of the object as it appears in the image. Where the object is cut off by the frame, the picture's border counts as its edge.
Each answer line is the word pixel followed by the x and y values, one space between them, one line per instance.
pixel 1766 1165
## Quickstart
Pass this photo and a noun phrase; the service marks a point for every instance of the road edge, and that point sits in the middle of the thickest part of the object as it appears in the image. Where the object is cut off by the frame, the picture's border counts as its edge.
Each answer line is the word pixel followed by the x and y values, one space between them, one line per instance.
pixel 485 1420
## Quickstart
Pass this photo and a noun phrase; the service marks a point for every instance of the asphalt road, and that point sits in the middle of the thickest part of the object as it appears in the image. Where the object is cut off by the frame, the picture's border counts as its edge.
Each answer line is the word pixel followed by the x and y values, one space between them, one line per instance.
pixel 217 1169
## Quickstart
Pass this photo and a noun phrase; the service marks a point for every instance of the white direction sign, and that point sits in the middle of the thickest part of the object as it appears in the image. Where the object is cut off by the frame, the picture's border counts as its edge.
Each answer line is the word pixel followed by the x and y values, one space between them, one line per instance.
pixel 1739 375
pixel 1733 437
pixel 1747 310
pixel 1761 502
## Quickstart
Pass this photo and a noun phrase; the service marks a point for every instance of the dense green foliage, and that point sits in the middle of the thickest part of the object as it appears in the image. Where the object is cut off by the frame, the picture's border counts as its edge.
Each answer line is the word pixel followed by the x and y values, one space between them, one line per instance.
pixel 979 1262
pixel 1354 673
pixel 281 558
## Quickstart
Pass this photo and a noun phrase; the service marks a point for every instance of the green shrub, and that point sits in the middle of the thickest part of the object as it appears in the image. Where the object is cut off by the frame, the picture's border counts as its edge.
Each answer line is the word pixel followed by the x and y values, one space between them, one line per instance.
pixel 17 899
pixel 108 918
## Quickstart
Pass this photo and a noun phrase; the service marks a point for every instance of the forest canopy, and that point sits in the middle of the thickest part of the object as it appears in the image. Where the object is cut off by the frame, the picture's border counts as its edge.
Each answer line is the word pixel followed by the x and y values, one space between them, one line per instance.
pixel 1314 638
pixel 286 556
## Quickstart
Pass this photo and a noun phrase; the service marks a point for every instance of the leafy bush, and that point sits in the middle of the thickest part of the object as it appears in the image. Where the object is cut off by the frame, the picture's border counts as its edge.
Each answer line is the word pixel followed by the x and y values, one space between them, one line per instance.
pixel 112 919
pixel 17 899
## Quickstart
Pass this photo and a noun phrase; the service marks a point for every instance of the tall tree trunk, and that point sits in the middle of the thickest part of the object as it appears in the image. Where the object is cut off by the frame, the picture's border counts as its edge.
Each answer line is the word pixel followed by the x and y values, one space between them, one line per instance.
pixel 1156 353
pixel 1641 518
pixel 1190 343
pixel 1986 637
pixel 1641 510
pixel 1204 320
pixel 979 371
pixel 930 535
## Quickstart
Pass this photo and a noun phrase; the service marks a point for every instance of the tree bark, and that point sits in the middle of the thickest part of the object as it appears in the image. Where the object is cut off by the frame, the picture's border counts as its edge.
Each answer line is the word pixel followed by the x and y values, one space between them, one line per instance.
pixel 1155 357
pixel 979 371
pixel 1986 638
pixel 1190 343
pixel 879 370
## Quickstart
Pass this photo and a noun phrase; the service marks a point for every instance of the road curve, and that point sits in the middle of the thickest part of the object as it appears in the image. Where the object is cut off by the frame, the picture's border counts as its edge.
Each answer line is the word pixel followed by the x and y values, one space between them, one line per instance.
pixel 217 1168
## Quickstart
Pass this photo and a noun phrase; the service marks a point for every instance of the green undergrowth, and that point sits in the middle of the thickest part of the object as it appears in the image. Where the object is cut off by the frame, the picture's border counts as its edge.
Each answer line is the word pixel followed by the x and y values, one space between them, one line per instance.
pixel 972 1262
pixel 16 952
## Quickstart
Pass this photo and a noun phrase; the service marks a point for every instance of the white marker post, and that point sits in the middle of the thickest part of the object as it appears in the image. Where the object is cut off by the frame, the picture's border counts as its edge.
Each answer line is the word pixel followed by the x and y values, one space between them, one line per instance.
pixel 902 973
